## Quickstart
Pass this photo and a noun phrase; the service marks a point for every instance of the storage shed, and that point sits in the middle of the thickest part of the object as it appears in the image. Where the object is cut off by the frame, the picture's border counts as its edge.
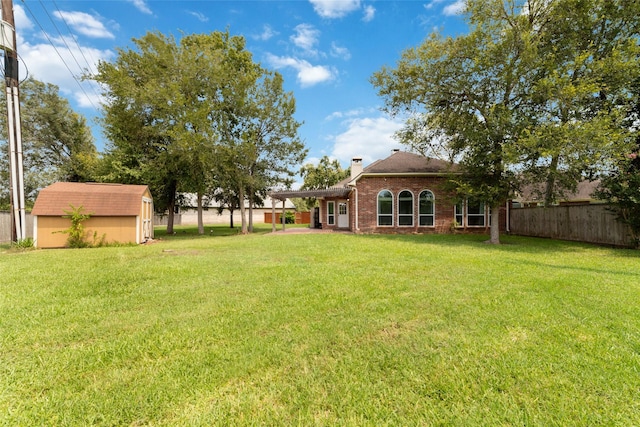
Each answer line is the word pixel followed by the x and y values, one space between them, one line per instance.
pixel 121 213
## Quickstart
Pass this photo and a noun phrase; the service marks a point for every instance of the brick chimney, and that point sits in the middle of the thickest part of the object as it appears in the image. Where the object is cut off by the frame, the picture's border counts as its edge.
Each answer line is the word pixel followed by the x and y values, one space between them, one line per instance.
pixel 356 167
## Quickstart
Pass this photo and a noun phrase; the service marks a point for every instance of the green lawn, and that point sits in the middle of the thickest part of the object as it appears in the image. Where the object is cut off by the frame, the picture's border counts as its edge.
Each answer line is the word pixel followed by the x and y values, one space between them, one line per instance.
pixel 326 329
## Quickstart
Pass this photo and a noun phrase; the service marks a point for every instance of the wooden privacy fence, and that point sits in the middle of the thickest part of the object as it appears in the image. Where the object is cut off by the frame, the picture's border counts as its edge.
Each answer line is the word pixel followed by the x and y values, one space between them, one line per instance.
pixel 583 223
pixel 301 218
pixel 5 226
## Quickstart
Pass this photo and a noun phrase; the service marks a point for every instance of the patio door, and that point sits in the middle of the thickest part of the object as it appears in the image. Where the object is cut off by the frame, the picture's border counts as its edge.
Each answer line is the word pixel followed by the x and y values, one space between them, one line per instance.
pixel 343 214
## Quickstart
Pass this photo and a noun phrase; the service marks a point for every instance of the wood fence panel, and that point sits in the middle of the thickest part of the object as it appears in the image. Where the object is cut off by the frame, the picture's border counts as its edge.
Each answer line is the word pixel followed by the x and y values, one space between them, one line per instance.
pixel 6 226
pixel 300 217
pixel 583 223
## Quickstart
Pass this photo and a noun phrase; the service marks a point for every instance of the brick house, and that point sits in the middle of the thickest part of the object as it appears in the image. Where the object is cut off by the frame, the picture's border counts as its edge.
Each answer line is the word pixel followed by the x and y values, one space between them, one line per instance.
pixel 403 193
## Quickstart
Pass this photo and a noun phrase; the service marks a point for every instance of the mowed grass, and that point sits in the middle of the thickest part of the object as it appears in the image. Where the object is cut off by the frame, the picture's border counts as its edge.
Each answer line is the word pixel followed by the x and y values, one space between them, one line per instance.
pixel 325 329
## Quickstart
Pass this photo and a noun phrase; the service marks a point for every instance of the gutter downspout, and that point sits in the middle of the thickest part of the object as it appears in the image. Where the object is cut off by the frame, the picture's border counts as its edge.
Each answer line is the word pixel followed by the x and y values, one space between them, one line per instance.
pixel 357 226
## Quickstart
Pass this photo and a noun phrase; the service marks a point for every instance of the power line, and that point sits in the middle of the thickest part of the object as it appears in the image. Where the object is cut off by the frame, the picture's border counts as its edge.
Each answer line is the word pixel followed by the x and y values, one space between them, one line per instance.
pixel 61 16
pixel 58 52
pixel 75 39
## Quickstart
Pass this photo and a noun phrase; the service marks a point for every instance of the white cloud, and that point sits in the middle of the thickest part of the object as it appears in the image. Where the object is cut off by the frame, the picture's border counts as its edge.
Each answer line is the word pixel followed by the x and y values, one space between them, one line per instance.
pixel 432 3
pixel 455 8
pixel 23 23
pixel 308 74
pixel 369 138
pixel 334 8
pixel 266 34
pixel 141 5
pixel 44 63
pixel 199 16
pixel 85 24
pixel 340 52
pixel 306 37
pixel 369 13
pixel 350 113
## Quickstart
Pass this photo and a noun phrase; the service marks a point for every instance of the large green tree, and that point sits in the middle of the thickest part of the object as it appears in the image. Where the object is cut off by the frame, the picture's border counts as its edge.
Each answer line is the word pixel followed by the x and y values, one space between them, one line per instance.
pixel 162 112
pixel 325 174
pixel 523 93
pixel 466 92
pixel 579 96
pixel 264 149
pixel 57 143
pixel 620 185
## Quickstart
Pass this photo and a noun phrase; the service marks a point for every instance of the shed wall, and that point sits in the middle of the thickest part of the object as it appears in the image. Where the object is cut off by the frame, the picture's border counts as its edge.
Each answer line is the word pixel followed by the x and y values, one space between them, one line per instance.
pixel 115 229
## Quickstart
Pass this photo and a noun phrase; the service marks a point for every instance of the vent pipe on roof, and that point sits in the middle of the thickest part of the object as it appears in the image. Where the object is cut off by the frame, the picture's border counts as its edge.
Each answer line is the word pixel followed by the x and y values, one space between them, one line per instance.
pixel 356 167
pixel 395 150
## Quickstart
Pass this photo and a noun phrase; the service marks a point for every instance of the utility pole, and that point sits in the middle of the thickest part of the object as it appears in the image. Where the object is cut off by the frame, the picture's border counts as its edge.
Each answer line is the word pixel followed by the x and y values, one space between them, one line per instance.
pixel 16 168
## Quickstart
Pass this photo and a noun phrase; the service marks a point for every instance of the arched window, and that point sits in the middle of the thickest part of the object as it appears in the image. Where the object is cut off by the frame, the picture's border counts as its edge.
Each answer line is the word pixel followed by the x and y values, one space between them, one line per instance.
pixel 405 208
pixel 385 208
pixel 427 209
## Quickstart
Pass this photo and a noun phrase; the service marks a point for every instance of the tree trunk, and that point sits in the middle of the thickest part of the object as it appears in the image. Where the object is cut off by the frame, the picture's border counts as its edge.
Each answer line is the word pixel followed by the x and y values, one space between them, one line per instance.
pixel 242 211
pixel 231 218
pixel 250 214
pixel 495 225
pixel 551 181
pixel 200 221
pixel 172 208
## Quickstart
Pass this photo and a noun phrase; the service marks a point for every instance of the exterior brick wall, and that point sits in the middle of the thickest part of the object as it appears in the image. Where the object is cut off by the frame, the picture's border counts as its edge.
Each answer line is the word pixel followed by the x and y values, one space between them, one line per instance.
pixel 369 187
pixel 367 206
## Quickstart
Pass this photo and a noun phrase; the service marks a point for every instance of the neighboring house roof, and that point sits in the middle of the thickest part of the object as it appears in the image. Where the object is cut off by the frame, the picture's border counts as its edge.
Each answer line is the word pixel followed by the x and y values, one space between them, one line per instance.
pixel 534 193
pixel 96 199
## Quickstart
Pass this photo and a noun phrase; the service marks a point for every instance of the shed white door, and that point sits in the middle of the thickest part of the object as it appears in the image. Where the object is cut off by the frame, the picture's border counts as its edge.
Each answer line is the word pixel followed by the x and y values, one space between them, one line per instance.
pixel 343 215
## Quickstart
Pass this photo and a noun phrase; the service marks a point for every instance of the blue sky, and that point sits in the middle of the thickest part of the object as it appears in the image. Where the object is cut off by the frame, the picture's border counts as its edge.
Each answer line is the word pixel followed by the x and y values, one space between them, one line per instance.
pixel 326 50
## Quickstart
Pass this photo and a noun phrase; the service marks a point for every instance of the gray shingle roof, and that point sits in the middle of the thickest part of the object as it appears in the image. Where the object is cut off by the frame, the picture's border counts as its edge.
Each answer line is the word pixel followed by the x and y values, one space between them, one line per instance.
pixel 401 162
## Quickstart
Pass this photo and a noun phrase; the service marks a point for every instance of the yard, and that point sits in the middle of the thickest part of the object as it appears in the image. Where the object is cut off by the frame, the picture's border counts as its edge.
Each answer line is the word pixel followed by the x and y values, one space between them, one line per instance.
pixel 326 329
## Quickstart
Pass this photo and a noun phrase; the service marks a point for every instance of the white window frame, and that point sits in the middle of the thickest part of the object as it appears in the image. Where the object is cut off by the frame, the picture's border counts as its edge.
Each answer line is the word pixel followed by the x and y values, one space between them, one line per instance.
pixel 331 212
pixel 465 215
pixel 433 208
pixel 482 214
pixel 378 214
pixel 405 216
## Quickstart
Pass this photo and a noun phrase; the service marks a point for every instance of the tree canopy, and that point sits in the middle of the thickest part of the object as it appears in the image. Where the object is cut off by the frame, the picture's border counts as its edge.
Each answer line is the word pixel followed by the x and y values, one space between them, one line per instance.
pixel 534 90
pixel 194 115
pixel 327 173
pixel 56 141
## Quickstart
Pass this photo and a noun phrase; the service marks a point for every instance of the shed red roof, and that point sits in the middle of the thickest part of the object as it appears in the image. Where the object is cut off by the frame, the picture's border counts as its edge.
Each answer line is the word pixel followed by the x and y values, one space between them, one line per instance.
pixel 96 199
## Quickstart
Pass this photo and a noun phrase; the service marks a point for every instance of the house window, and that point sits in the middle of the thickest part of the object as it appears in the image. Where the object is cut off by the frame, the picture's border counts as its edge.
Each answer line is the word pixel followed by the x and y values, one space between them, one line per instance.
pixel 475 214
pixel 405 208
pixel 426 209
pixel 331 213
pixel 385 208
pixel 471 212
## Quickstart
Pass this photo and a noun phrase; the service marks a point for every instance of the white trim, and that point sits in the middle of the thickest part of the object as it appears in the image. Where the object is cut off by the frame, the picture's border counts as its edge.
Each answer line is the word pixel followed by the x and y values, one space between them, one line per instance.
pixel 138 229
pixel 433 206
pixel 413 212
pixel 378 209
pixel 35 231
pixel 333 203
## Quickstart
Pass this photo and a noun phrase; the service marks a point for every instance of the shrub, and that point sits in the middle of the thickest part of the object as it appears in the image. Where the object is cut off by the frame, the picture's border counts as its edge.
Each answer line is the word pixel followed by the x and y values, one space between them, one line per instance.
pixel 77 235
